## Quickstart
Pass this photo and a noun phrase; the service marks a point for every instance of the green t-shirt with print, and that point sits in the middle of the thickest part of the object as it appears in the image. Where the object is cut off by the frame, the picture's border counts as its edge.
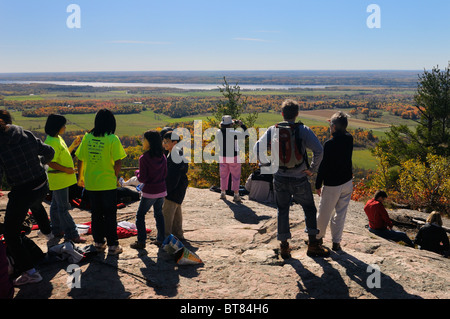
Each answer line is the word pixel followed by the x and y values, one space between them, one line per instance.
pixel 98 155
pixel 58 179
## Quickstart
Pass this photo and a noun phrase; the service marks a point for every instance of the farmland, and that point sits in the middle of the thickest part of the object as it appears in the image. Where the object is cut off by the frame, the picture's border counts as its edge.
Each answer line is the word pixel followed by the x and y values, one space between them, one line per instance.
pixel 372 108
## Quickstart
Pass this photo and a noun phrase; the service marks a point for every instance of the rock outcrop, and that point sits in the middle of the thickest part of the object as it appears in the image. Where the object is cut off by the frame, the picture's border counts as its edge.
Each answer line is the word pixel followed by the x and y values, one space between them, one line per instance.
pixel 238 246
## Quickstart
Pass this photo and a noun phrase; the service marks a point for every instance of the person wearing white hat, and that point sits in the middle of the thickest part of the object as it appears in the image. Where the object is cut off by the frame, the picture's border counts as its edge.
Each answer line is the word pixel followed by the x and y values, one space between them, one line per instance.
pixel 229 163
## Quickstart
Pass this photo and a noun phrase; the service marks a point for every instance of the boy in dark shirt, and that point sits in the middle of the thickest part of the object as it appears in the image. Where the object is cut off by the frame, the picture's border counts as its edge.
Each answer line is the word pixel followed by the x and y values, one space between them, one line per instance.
pixel 177 183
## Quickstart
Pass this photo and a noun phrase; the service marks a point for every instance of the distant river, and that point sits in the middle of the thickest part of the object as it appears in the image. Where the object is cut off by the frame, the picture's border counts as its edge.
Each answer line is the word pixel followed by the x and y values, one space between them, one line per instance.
pixel 189 86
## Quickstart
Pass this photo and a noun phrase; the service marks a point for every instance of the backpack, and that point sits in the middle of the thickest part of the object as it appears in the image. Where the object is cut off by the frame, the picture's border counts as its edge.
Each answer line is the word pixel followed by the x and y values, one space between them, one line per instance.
pixel 290 146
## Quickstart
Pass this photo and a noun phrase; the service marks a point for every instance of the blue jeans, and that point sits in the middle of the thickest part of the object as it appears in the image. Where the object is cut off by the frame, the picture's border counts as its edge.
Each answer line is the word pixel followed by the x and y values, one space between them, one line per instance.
pixel 61 219
pixel 394 235
pixel 104 216
pixel 288 189
pixel 144 207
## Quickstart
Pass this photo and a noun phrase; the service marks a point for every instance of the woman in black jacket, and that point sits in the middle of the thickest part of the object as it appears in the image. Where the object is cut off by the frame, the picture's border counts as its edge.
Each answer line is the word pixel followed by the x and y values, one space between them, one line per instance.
pixel 432 236
pixel 334 183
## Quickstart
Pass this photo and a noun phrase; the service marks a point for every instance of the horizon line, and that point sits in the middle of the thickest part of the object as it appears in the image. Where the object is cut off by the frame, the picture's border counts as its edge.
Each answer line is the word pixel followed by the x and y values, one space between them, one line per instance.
pixel 233 70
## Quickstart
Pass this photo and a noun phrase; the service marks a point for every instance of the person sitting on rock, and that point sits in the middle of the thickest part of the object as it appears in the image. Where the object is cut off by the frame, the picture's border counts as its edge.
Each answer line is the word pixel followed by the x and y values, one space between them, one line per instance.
pixel 432 236
pixel 379 222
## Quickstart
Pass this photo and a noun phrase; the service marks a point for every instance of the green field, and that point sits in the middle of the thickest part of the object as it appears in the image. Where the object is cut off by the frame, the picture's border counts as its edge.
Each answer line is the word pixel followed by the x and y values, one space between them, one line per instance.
pixel 137 124
pixel 364 159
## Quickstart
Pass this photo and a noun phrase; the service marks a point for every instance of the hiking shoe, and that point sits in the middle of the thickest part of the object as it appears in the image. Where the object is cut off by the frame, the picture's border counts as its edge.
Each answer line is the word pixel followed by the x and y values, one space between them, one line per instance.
pixel 115 250
pixel 336 247
pixel 315 249
pixel 25 278
pixel 237 199
pixel 100 246
pixel 285 251
pixel 319 241
pixel 138 245
pixel 223 196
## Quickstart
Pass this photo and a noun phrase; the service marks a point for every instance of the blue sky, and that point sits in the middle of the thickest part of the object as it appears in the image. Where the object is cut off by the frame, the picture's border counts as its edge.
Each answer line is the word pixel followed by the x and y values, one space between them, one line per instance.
pixel 146 35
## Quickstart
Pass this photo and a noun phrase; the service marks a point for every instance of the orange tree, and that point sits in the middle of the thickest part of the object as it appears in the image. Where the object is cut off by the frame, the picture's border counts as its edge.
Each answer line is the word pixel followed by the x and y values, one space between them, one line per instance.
pixel 413 165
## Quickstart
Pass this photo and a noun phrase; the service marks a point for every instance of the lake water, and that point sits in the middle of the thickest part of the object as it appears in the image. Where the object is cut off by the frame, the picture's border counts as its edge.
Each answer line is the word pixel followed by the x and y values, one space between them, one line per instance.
pixel 188 86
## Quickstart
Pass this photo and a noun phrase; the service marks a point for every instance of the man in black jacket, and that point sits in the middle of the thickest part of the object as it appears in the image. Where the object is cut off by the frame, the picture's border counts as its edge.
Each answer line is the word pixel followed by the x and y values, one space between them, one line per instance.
pixel 22 159
pixel 335 173
pixel 176 183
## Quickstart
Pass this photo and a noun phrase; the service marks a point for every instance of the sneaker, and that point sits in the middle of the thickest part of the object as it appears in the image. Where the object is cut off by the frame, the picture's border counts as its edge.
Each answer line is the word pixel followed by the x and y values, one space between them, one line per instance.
pixel 285 251
pixel 115 250
pixel 237 199
pixel 223 196
pixel 100 246
pixel 315 249
pixel 26 278
pixel 138 245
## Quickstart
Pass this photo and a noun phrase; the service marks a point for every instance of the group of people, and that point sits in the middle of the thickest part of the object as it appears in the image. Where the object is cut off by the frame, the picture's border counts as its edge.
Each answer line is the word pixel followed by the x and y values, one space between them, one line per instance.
pixel 23 159
pixel 430 237
pixel 164 186
pixel 33 168
pixel 334 184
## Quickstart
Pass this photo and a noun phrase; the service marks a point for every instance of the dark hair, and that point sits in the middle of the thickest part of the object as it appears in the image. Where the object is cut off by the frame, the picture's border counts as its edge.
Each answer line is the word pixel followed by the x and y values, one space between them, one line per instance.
pixel 379 194
pixel 105 123
pixel 171 135
pixel 165 130
pixel 6 117
pixel 54 124
pixel 155 141
pixel 290 109
pixel 340 121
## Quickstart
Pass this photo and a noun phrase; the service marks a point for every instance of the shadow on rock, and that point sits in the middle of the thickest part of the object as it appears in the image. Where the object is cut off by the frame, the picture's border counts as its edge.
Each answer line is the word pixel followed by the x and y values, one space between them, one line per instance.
pixel 364 275
pixel 245 214
pixel 163 275
pixel 102 269
pixel 329 285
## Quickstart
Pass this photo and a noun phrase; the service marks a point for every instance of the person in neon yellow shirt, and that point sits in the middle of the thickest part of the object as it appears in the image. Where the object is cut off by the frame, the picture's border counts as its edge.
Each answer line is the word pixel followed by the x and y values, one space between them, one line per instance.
pixel 100 157
pixel 61 175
